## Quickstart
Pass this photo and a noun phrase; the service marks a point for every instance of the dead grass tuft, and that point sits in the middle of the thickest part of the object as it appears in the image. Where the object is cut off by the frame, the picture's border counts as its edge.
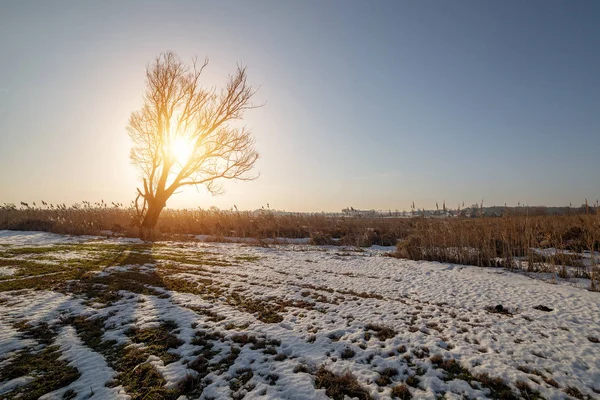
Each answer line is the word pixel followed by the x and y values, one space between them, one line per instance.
pixel 338 387
pixel 401 392
pixel 381 331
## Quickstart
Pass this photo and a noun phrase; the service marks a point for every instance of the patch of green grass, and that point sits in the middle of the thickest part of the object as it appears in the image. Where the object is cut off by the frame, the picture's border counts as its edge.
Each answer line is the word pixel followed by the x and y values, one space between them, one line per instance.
pixel 105 288
pixel 90 331
pixel 27 267
pixel 14 251
pixel 204 287
pixel 100 248
pixel 157 341
pixel 267 311
pixel 46 282
pixel 44 366
pixel 141 380
pixel 41 332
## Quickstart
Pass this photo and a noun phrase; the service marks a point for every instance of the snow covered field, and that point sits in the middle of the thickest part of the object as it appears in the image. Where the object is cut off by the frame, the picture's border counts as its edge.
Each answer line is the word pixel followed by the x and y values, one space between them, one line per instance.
pixel 85 317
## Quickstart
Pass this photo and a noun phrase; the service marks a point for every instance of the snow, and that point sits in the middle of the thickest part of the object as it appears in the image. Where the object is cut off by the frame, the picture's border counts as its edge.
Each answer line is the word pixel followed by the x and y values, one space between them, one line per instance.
pixel 23 238
pixel 434 306
pixel 8 271
pixel 15 383
pixel 92 367
pixel 250 240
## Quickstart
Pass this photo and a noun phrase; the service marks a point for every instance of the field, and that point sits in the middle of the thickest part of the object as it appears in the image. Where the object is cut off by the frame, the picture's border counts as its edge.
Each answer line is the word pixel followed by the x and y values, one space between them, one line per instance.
pixel 90 317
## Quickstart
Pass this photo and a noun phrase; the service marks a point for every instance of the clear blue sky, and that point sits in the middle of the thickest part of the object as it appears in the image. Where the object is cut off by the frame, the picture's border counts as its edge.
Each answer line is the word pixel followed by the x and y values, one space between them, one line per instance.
pixel 369 104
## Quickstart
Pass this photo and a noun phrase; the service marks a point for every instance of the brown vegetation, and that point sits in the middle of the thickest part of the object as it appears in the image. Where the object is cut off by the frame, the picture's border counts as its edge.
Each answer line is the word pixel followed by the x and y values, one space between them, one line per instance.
pixel 509 241
pixel 339 386
pixel 99 218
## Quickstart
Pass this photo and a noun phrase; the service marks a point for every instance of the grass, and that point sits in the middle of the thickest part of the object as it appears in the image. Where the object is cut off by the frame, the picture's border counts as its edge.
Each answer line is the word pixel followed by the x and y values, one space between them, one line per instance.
pixel 381 331
pixel 41 332
pixel 347 353
pixel 527 392
pixel 413 381
pixel 240 379
pixel 204 363
pixel 48 372
pixel 385 376
pixel 257 342
pixel 268 311
pixel 140 379
pixel 454 370
pixel 574 392
pixel 94 258
pixel 48 282
pixel 401 392
pixel 157 341
pixel 497 387
pixel 212 316
pixel 105 289
pixel 338 387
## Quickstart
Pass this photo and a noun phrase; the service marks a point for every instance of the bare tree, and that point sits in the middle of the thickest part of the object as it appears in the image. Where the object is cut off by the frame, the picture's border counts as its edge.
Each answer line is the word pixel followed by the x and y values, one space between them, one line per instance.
pixel 184 134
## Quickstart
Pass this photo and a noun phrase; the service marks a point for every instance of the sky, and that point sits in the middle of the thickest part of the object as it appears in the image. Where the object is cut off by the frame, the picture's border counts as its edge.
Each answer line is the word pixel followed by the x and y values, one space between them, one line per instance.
pixel 368 104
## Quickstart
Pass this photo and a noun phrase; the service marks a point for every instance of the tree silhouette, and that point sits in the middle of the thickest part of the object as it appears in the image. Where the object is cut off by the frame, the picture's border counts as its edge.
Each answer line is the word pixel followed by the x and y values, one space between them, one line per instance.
pixel 181 117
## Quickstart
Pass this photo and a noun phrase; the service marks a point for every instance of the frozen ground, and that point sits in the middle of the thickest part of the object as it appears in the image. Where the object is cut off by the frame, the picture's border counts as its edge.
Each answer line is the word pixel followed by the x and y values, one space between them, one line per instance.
pixel 82 317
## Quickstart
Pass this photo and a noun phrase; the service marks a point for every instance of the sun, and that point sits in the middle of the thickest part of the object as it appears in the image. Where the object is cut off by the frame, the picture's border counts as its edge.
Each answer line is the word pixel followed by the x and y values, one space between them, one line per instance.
pixel 181 150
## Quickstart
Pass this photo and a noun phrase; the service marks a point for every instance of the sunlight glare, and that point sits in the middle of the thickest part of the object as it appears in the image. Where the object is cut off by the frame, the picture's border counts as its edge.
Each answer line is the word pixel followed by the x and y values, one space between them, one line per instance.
pixel 181 150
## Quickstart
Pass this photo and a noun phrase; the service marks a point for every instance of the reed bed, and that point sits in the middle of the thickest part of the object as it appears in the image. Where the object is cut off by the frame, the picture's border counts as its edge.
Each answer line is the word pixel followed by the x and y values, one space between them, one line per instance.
pixel 564 244
pixel 101 218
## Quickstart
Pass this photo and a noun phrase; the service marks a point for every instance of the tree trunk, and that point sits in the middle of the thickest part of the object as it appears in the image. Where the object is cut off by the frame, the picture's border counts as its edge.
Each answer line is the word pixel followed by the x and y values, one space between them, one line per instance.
pixel 150 219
